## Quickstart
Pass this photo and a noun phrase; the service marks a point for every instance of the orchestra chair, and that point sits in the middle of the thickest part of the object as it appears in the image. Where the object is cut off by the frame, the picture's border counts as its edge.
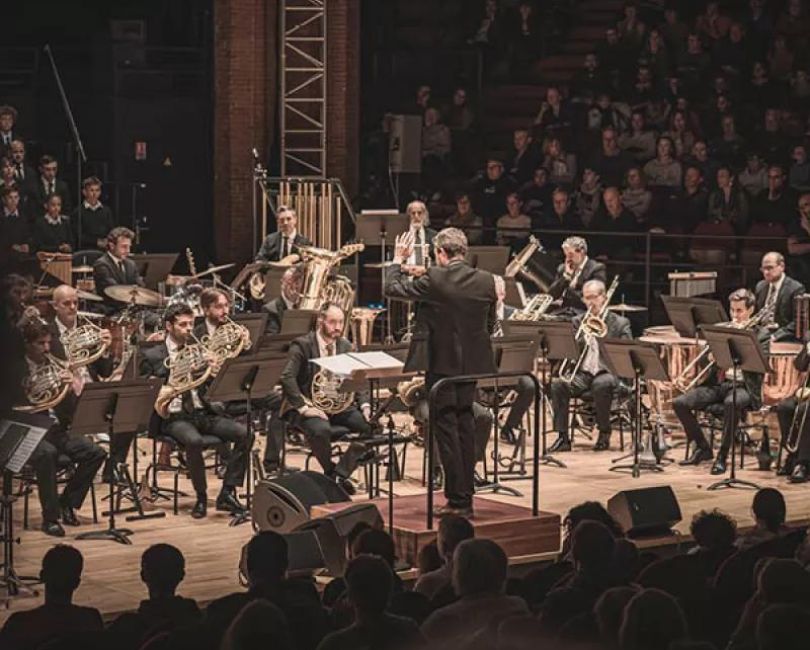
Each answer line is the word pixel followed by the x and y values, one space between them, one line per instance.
pixel 64 471
pixel 711 419
pixel 581 412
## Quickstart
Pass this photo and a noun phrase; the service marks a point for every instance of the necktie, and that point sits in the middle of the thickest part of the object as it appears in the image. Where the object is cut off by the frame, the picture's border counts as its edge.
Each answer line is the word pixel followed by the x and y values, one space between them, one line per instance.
pixel 284 246
pixel 20 172
pixel 330 350
pixel 419 257
pixel 121 269
pixel 51 187
pixel 770 303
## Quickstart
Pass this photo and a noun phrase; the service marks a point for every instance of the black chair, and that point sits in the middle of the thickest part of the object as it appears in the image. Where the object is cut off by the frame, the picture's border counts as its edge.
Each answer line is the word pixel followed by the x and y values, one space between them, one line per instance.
pixel 64 471
pixel 581 413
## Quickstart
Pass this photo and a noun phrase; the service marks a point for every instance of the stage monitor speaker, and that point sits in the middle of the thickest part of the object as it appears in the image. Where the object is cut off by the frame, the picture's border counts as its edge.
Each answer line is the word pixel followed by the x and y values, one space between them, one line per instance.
pixel 282 504
pixel 330 533
pixel 405 144
pixel 645 511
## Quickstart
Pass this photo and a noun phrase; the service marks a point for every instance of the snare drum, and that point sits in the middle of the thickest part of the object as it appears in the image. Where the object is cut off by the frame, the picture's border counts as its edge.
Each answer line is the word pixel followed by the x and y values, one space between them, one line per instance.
pixel 784 379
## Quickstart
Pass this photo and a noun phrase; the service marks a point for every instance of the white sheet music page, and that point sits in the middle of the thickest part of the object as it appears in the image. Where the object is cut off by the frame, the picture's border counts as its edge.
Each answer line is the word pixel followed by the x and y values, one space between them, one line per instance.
pixel 343 365
pixel 27 445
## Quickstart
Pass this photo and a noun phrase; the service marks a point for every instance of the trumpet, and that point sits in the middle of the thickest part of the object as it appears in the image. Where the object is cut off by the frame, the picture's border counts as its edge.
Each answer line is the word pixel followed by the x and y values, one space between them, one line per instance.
pixel 592 325
pixel 683 383
pixel 47 385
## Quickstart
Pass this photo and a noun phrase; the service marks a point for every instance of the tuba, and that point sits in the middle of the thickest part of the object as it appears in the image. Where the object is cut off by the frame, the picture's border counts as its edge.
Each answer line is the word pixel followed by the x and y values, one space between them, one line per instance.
pixel 83 344
pixel 191 367
pixel 319 263
pixel 47 385
pixel 519 266
pixel 228 341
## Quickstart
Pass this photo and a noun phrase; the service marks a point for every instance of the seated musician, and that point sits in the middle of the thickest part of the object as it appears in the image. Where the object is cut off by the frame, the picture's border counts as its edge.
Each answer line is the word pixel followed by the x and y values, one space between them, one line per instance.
pixel 285 241
pixel 572 274
pixel 720 391
pixel 58 441
pixel 298 407
pixel 291 283
pixel 793 424
pixel 66 305
pixel 777 292
pixel 115 267
pixel 191 417
pixel 592 375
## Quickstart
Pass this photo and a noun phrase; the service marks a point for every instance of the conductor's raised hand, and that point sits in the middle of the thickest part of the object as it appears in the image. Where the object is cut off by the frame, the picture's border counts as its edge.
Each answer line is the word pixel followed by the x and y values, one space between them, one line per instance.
pixel 403 246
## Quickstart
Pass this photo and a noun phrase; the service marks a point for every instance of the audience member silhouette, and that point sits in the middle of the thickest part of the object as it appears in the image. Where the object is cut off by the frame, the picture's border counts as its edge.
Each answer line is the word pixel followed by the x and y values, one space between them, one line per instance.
pixel 260 625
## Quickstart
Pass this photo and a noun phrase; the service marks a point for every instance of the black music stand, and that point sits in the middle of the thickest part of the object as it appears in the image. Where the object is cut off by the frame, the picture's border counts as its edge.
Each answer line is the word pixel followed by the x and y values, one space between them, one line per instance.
pixel 19 437
pixel 298 321
pixel 489 258
pixel 515 293
pixel 118 407
pixel 238 380
pixel 514 354
pixel 687 314
pixel 738 350
pixel 256 324
pixel 154 267
pixel 376 228
pixel 629 359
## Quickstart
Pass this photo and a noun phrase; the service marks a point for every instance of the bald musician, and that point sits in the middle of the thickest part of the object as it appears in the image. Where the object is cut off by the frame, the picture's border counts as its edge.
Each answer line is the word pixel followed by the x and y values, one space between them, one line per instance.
pixel 777 293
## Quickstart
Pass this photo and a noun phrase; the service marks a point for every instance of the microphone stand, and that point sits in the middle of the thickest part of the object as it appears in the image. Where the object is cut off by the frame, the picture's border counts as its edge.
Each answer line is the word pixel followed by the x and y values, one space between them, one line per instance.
pixel 77 141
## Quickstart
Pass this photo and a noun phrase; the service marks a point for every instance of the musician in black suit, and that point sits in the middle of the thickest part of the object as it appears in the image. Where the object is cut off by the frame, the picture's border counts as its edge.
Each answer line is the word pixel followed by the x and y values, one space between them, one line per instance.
pixel 300 410
pixel 191 417
pixel 115 267
pixel 793 419
pixel 93 218
pixel 777 293
pixel 48 184
pixel 715 391
pixel 572 274
pixel 457 343
pixel 291 283
pixel 58 441
pixel 422 254
pixel 593 375
pixel 8 132
pixel 16 241
pixel 285 241
pixel 25 175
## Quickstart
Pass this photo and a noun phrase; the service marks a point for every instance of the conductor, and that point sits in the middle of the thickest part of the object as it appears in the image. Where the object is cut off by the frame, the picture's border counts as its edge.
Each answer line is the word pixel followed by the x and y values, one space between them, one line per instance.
pixel 458 343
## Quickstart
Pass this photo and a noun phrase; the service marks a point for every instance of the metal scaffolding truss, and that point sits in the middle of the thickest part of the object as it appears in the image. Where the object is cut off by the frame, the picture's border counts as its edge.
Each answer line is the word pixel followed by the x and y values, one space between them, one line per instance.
pixel 303 88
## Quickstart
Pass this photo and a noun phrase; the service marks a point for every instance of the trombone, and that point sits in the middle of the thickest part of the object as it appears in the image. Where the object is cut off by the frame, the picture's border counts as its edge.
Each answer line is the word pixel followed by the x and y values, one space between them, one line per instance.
pixel 794 436
pixel 591 325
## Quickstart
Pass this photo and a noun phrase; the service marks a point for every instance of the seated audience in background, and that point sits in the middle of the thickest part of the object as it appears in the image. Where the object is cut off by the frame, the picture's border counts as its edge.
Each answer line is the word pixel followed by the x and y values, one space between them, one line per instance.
pixel 536 194
pixel 560 215
pixel 265 565
pixel 799 172
pixel 639 141
pixel 728 203
pixel 452 531
pixel 798 243
pixel 783 627
pixel 770 511
pixel 664 170
pixel 52 231
pixel 588 197
pixel 777 203
pixel 260 625
pixel 94 219
pixel 561 165
pixel 636 197
pixel 57 619
pixel 714 533
pixel 465 219
pixel 16 243
pixel 48 184
pixel 754 177
pixel 479 580
pixel 689 208
pixel 609 613
pixel 428 559
pixel 525 156
pixel 652 621
pixel 369 587
pixel 489 193
pixel 514 226
pixel 587 511
pixel 610 162
pixel 163 568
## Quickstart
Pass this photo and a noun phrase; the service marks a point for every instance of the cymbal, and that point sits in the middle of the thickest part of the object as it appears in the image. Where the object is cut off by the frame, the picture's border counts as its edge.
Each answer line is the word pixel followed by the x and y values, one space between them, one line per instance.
pixel 91 315
pixel 86 295
pixel 132 293
pixel 213 269
pixel 378 265
pixel 82 269
pixel 625 307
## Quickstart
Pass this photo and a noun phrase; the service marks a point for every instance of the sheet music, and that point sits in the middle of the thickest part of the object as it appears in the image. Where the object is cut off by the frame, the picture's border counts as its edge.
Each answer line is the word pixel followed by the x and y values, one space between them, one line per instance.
pixel 343 365
pixel 27 445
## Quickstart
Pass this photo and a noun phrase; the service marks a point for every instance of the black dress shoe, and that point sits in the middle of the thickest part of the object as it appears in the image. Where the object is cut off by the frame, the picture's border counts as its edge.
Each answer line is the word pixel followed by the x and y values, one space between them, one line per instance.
pixel 479 481
pixel 799 474
pixel 460 511
pixel 344 483
pixel 698 456
pixel 719 466
pixel 53 528
pixel 228 502
pixel 560 444
pixel 68 516
pixel 602 442
pixel 508 436
pixel 200 509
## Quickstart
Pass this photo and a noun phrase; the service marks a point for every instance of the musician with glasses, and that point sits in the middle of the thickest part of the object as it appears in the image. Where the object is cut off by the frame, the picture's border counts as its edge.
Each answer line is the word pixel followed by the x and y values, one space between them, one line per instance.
pixel 574 272
pixel 777 293
pixel 190 417
pixel 593 375
pixel 285 241
pixel 720 390
pixel 793 425
pixel 300 406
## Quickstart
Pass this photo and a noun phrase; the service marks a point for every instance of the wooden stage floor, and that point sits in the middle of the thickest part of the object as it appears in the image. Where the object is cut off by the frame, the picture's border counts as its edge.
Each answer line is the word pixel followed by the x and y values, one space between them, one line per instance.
pixel 111 576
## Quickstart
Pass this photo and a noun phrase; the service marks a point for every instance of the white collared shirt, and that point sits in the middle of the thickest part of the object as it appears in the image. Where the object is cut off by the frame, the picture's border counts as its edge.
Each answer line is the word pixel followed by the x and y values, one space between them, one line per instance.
pixel 93 208
pixel 323 350
pixel 176 405
pixel 210 327
pixel 420 240
pixel 52 221
pixel 777 286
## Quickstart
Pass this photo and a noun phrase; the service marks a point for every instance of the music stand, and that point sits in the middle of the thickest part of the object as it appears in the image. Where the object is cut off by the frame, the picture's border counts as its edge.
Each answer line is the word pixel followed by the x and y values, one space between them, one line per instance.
pixel 118 407
pixel 298 321
pixel 629 359
pixel 738 350
pixel 272 281
pixel 277 343
pixel 256 324
pixel 488 258
pixel 19 437
pixel 237 381
pixel 375 228
pixel 515 293
pixel 687 314
pixel 154 267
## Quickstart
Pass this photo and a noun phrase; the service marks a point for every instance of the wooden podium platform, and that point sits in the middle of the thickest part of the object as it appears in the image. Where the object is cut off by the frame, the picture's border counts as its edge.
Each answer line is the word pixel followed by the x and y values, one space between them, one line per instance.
pixel 511 525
